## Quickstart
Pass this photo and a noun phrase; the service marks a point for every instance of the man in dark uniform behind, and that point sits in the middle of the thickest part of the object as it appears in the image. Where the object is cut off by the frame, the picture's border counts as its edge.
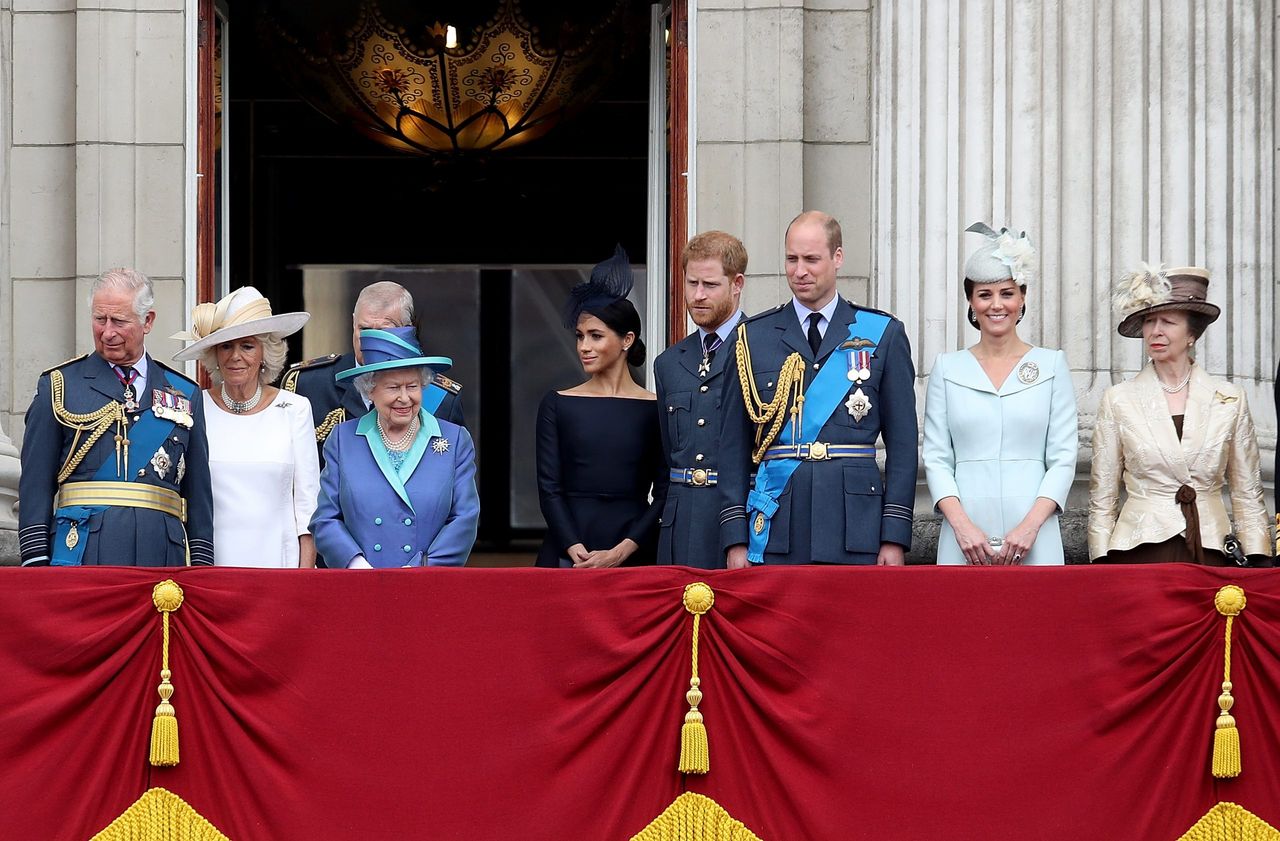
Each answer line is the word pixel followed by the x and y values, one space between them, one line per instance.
pixel 379 306
pixel 689 378
pixel 818 495
pixel 120 440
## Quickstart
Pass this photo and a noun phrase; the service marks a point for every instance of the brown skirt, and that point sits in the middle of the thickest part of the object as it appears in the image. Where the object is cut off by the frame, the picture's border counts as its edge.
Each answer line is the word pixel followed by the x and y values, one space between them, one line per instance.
pixel 1171 551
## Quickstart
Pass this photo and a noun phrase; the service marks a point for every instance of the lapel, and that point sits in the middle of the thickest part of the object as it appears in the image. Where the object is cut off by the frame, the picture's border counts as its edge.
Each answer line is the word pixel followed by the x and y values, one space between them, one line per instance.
pixel 967 372
pixel 155 379
pixel 103 379
pixel 1198 414
pixel 1037 362
pixel 837 328
pixel 1155 411
pixel 792 336
pixel 368 429
pixel 691 354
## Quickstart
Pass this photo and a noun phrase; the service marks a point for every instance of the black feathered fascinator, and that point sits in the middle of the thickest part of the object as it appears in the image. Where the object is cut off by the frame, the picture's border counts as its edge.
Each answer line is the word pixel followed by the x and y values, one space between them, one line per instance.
pixel 610 281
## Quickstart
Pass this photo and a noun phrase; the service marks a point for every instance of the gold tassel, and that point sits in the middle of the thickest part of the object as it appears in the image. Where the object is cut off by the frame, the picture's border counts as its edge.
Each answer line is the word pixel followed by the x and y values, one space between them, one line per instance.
pixel 695 757
pixel 167 597
pixel 1230 602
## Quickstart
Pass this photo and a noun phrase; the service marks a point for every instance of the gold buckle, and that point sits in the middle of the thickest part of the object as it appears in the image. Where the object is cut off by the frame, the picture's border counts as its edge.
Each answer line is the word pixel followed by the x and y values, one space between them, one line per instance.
pixel 818 451
pixel 699 477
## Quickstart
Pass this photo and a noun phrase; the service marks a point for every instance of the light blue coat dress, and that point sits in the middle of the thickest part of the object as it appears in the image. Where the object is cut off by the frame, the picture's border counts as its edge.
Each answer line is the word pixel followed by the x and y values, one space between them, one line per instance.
pixel 997 450
pixel 424 514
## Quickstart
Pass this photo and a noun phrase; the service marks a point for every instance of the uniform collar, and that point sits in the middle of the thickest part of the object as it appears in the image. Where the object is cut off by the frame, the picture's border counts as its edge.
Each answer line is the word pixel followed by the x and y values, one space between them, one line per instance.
pixel 803 312
pixel 724 331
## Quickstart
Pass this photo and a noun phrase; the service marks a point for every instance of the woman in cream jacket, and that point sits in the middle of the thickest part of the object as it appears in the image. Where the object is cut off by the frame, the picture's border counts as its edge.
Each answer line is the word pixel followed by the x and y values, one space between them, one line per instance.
pixel 1173 437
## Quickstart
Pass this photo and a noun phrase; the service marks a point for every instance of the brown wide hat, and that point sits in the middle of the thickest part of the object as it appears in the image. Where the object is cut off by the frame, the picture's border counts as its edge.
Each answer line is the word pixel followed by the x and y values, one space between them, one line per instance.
pixel 1189 287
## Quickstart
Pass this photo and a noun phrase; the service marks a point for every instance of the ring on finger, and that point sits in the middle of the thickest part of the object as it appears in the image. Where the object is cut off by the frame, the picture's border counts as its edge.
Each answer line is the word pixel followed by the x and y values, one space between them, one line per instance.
pixel 1017 557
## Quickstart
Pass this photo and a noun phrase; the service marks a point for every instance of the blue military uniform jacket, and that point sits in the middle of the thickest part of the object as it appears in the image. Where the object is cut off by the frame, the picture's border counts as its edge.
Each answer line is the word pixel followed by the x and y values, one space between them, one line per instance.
pixel 116 535
pixel 842 509
pixel 334 402
pixel 689 420
pixel 424 514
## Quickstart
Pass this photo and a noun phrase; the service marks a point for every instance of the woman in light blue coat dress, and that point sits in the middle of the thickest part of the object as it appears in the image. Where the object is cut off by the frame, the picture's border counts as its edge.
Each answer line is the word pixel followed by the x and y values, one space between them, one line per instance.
pixel 399 485
pixel 1000 430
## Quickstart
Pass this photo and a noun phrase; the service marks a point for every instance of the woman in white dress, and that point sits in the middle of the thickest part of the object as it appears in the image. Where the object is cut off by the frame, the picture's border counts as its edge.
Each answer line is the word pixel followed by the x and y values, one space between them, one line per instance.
pixel 262 446
pixel 1000 423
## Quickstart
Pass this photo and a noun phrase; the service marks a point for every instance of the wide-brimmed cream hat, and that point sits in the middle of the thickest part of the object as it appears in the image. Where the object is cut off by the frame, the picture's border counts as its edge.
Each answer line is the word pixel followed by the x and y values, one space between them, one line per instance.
pixel 1154 289
pixel 242 313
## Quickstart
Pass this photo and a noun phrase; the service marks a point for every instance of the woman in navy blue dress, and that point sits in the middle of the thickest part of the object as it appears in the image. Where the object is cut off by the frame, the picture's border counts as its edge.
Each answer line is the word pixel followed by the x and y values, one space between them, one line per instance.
pixel 599 451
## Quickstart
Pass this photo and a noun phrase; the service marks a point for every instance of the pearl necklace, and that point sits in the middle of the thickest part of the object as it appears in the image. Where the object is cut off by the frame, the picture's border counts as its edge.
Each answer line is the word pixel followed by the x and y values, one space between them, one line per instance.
pixel 1174 389
pixel 402 443
pixel 239 407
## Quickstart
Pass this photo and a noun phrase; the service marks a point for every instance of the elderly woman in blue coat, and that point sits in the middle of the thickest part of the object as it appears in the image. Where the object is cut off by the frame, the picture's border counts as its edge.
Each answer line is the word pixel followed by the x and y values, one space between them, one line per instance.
pixel 398 487
pixel 1000 423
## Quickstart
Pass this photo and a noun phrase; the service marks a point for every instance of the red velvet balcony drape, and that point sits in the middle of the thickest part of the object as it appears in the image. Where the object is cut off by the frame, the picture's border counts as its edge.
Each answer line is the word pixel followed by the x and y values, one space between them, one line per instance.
pixel 914 703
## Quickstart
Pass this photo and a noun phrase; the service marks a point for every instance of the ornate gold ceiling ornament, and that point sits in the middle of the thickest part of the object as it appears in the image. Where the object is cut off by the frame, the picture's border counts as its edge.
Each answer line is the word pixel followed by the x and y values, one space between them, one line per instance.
pixel 506 83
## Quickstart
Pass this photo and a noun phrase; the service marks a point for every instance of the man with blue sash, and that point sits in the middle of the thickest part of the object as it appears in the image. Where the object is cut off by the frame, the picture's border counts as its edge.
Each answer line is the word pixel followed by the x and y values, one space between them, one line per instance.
pixel 816 383
pixel 379 306
pixel 115 463
pixel 689 378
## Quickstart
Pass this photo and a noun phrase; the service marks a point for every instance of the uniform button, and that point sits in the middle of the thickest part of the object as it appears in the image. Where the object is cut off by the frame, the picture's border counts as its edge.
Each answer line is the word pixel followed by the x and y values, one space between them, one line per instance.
pixel 698 457
pixel 659 521
pixel 408 548
pixel 135 418
pixel 670 409
pixel 703 389
pixel 408 522
pixel 702 421
pixel 815 366
pixel 175 439
pixel 768 384
pixel 142 473
pixel 377 547
pixel 377 521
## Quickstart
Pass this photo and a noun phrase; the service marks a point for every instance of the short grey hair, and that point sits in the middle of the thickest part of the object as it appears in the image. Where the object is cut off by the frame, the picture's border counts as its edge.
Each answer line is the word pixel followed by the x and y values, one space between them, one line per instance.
pixel 127 280
pixel 274 352
pixel 386 296
pixel 365 382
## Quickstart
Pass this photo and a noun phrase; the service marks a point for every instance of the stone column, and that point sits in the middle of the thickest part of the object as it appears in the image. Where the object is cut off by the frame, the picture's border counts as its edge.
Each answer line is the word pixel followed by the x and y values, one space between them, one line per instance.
pixel 1113 133
pixel 782 111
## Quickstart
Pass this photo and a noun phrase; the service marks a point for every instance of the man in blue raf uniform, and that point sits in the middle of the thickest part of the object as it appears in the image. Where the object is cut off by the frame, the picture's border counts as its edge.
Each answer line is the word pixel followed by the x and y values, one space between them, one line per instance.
pixel 824 380
pixel 690 377
pixel 380 306
pixel 119 439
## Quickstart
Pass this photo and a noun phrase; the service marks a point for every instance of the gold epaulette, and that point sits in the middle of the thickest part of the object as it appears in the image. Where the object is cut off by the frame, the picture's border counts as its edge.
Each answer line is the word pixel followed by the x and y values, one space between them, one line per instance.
pixel 290 381
pixel 331 420
pixel 451 386
pixel 64 364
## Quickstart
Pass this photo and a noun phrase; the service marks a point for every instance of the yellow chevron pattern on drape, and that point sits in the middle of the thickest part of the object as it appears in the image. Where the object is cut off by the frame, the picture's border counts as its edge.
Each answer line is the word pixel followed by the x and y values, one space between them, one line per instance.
pixel 695 817
pixel 1229 822
pixel 160 815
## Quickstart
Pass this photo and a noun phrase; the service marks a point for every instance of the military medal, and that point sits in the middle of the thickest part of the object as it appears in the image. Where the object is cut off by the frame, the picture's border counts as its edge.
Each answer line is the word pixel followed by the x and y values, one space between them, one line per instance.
pixel 440 446
pixel 1028 372
pixel 759 524
pixel 160 463
pixel 859 405
pixel 859 366
pixel 130 394
pixel 182 468
pixel 704 367
pixel 171 406
pixel 73 536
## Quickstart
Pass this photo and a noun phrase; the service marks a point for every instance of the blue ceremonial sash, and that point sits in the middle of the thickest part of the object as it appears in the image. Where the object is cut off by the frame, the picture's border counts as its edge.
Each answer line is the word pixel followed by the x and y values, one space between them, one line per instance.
pixel 821 399
pixel 433 397
pixel 145 437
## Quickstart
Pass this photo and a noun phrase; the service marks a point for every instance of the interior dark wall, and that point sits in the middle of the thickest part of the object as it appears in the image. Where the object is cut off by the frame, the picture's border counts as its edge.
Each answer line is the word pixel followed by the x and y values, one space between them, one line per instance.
pixel 304 189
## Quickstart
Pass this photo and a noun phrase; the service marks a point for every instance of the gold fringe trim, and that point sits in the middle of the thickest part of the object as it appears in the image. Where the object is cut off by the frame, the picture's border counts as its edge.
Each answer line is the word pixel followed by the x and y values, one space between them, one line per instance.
pixel 331 420
pixel 1229 822
pixel 167 597
pixel 695 817
pixel 695 757
pixel 1229 601
pixel 160 815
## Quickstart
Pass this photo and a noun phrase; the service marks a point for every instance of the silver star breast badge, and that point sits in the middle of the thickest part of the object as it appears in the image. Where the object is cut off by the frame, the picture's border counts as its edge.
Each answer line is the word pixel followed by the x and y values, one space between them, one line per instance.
pixel 440 446
pixel 859 405
pixel 160 463
pixel 182 467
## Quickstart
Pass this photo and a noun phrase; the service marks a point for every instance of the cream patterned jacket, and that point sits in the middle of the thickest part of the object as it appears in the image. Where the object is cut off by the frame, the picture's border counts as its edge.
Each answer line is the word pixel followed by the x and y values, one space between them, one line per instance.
pixel 1135 444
